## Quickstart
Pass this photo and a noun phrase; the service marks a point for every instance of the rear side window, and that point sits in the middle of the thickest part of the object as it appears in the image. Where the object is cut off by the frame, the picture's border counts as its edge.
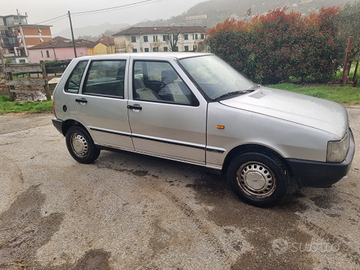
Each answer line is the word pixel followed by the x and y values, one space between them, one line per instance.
pixel 73 83
pixel 105 78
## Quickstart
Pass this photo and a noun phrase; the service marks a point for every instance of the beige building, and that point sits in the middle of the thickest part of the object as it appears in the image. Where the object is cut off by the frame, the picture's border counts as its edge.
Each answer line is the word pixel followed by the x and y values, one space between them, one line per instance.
pixel 161 39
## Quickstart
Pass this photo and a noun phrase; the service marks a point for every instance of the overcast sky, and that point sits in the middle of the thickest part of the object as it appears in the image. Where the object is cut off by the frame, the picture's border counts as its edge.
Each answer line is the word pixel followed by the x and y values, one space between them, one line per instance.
pixel 41 10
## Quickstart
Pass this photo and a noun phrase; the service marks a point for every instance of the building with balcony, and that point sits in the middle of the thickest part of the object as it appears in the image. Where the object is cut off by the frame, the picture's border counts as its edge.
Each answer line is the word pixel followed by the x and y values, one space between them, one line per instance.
pixel 161 39
pixel 17 36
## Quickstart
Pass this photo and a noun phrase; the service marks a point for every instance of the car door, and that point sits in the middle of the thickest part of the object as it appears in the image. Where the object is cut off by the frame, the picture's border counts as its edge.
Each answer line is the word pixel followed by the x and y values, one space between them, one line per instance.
pixel 102 103
pixel 166 118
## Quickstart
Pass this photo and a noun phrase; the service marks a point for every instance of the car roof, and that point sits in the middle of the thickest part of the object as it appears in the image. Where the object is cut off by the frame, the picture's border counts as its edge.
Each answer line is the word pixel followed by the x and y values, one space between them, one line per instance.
pixel 150 55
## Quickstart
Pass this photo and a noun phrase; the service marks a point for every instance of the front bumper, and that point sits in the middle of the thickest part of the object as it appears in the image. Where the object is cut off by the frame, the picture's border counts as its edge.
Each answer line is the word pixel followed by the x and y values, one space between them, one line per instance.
pixel 321 174
pixel 58 124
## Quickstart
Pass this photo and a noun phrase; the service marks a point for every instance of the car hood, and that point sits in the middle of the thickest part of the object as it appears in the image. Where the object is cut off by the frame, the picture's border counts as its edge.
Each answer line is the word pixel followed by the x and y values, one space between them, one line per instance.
pixel 297 108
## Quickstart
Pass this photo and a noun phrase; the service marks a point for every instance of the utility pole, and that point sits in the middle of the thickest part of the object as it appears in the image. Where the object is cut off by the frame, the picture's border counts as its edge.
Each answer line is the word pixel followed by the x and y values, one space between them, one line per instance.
pixel 72 34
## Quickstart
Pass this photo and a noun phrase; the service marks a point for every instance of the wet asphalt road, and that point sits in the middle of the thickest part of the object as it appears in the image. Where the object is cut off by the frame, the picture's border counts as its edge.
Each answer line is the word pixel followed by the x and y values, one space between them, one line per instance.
pixel 128 211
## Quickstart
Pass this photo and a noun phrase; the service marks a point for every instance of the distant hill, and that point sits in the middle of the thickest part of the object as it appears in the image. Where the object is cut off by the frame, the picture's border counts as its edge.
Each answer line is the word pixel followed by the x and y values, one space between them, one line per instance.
pixel 93 31
pixel 218 10
pixel 215 10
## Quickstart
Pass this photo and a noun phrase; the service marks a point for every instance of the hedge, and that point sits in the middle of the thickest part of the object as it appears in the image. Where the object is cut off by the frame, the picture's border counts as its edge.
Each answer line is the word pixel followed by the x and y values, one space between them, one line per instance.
pixel 278 46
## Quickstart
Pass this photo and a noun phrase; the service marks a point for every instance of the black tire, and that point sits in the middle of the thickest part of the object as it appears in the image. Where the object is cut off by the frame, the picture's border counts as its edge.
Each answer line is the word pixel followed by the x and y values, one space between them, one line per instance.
pixel 258 179
pixel 80 145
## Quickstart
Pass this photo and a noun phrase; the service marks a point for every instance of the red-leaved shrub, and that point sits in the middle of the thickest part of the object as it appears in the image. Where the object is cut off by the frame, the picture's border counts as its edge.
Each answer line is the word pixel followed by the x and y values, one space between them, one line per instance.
pixel 279 45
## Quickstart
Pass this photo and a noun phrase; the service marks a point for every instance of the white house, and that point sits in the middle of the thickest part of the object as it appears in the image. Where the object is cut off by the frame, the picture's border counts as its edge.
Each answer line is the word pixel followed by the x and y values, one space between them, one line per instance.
pixel 161 39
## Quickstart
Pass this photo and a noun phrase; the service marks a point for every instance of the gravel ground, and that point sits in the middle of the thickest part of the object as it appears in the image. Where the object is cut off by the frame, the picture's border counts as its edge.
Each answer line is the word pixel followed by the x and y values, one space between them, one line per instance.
pixel 127 211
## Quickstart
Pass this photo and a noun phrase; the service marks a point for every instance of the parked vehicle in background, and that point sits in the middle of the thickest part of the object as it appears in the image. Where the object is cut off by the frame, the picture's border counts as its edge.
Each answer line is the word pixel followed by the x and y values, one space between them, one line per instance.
pixel 195 108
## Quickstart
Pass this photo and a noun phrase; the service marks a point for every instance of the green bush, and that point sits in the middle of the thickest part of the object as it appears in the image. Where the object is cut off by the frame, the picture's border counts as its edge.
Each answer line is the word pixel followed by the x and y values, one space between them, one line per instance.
pixel 4 98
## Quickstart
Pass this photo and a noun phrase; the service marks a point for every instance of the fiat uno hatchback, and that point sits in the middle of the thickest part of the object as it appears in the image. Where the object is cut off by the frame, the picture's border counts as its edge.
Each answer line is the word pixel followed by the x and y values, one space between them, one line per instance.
pixel 195 108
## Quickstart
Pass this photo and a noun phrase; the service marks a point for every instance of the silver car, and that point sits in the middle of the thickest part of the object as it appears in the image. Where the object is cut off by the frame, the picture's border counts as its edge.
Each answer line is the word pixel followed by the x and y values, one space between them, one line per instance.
pixel 195 108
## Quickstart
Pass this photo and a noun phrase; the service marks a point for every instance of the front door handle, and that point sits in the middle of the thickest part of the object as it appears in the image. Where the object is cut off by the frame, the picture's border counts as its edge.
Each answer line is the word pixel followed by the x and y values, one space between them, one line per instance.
pixel 81 101
pixel 134 107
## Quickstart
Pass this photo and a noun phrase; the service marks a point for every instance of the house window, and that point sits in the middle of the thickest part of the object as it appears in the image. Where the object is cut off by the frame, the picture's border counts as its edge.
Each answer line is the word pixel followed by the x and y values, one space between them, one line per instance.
pixel 155 49
pixel 186 37
pixel 47 54
pixel 155 38
pixel 134 50
pixel 165 49
pixel 165 37
pixel 176 49
pixel 202 36
pixel 42 55
pixel 195 36
pixel 133 39
pixel 146 49
pixel 175 37
pixel 186 48
pixel 145 38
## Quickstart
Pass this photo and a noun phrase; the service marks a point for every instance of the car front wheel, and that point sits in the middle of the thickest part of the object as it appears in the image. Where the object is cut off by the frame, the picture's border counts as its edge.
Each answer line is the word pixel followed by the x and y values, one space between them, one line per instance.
pixel 258 179
pixel 81 146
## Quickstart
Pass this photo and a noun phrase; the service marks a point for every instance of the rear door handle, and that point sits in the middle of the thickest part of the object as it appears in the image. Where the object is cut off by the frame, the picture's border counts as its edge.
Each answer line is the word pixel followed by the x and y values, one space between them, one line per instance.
pixel 134 107
pixel 83 100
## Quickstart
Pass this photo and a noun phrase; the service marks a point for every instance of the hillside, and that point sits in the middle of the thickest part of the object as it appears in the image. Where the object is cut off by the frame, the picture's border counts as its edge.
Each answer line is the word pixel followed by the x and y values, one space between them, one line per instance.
pixel 93 31
pixel 218 10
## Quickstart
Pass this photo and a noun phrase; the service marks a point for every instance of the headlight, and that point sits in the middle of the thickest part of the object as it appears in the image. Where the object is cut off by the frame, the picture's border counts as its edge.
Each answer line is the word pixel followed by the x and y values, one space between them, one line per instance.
pixel 337 150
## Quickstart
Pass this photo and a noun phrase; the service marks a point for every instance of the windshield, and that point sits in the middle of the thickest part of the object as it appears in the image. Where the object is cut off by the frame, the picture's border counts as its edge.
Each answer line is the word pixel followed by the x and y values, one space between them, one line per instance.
pixel 215 77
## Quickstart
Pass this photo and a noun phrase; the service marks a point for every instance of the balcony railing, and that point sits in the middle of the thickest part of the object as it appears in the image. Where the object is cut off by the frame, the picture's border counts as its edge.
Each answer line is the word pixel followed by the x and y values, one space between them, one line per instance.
pixel 9 42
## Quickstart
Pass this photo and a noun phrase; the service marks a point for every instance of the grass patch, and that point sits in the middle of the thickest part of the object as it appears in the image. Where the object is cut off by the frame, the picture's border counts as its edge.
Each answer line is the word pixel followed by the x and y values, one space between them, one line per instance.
pixel 6 106
pixel 346 94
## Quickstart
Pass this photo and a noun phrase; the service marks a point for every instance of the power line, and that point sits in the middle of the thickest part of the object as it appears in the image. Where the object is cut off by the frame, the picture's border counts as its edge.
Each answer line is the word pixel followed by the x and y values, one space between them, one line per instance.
pixel 144 2
pixel 62 16
pixel 139 3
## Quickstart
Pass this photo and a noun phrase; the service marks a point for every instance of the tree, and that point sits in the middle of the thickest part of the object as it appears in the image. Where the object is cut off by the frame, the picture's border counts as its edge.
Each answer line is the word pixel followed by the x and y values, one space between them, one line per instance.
pixel 172 40
pixel 348 25
pixel 279 45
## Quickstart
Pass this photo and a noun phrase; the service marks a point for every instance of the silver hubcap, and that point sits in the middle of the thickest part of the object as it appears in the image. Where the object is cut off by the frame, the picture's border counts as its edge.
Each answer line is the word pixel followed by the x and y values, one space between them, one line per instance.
pixel 79 145
pixel 256 179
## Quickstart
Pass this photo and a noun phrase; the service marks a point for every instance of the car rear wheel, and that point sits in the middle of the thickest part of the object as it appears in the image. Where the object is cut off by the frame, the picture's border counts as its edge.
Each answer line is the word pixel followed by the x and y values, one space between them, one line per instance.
pixel 258 179
pixel 80 145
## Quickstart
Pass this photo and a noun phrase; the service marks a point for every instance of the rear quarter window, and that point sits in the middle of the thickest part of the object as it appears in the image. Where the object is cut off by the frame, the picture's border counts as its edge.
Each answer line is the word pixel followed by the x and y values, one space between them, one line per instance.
pixel 73 83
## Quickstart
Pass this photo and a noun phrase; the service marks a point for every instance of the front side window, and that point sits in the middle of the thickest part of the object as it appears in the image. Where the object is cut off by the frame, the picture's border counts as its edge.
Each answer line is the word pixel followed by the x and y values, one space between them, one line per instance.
pixel 105 78
pixel 158 81
pixel 134 50
pixel 186 37
pixel 145 38
pixel 216 78
pixel 186 48
pixel 73 83
pixel 133 39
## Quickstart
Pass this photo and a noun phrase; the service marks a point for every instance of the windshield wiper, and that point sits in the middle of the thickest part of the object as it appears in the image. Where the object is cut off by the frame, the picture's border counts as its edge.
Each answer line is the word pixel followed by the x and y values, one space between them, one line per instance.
pixel 234 93
pixel 256 86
